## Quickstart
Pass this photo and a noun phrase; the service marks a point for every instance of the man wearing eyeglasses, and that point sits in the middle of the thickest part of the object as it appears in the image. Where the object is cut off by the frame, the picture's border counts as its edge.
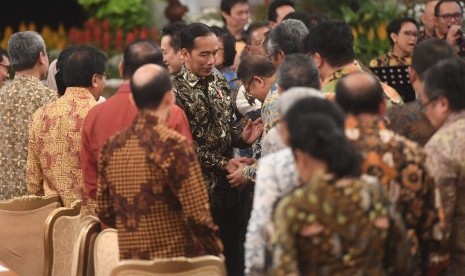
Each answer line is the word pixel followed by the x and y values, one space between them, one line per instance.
pixel 4 66
pixel 449 17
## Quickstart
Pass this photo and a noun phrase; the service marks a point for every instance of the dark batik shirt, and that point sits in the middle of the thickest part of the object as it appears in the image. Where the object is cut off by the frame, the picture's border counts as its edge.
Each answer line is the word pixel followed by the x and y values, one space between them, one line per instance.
pixel 151 190
pixel 208 106
pixel 399 164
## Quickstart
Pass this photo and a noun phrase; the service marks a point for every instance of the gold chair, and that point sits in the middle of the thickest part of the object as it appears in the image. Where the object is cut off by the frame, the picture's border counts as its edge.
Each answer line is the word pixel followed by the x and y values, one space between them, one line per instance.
pixel 89 229
pixel 22 232
pixel 180 266
pixel 106 252
pixel 61 233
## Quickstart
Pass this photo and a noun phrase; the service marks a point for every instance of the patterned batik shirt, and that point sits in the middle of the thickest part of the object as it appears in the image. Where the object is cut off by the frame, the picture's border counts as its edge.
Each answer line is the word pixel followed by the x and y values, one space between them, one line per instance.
pixel 207 104
pixel 398 164
pixel 446 163
pixel 390 59
pixel 53 163
pixel 18 101
pixel 151 190
pixel 338 227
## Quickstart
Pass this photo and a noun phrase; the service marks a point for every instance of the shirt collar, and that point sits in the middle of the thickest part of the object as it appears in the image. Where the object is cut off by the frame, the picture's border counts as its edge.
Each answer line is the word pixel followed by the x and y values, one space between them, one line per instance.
pixel 365 122
pixel 125 87
pixel 145 120
pixel 353 67
pixel 24 77
pixel 78 93
pixel 454 117
pixel 191 78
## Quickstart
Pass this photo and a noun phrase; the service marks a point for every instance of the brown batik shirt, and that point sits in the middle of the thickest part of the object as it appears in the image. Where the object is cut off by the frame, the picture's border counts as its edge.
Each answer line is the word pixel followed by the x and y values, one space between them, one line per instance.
pixel 151 190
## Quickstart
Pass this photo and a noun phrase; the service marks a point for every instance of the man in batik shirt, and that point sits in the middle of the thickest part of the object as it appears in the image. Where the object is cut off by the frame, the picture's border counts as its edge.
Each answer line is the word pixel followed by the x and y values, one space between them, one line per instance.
pixel 331 44
pixel 18 101
pixel 443 101
pixel 206 99
pixel 398 164
pixel 53 163
pixel 150 183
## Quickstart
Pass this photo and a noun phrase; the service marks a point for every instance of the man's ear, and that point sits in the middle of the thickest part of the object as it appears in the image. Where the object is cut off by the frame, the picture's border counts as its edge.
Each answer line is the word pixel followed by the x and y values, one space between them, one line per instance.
pixel 120 69
pixel 444 105
pixel 317 59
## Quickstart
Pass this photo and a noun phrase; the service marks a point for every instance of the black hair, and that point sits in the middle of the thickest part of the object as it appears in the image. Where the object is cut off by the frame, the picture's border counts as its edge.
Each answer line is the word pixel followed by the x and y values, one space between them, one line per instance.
pixel 429 52
pixel 150 94
pixel 254 65
pixel 333 40
pixel 173 30
pixel 365 98
pixel 191 32
pixel 226 5
pixel 61 60
pixel 274 5
pixel 229 44
pixel 298 70
pixel 81 65
pixel 437 8
pixel 320 134
pixel 138 53
pixel 252 28
pixel 309 19
pixel 447 79
pixel 395 25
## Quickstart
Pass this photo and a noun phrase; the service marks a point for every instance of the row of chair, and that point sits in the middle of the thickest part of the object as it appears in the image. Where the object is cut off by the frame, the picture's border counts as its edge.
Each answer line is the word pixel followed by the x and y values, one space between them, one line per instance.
pixel 39 236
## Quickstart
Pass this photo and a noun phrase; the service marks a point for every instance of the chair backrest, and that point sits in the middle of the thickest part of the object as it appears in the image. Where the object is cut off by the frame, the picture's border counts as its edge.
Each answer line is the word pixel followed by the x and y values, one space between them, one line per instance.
pixel 61 234
pixel 22 232
pixel 106 252
pixel 90 227
pixel 180 266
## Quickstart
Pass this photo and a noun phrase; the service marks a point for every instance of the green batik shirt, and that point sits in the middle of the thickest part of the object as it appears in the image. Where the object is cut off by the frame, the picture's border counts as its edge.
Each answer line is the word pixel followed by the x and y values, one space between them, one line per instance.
pixel 208 106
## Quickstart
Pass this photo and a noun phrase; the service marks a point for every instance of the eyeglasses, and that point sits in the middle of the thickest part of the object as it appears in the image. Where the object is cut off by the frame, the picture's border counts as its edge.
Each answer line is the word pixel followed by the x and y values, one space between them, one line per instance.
pixel 247 87
pixel 7 67
pixel 430 101
pixel 448 16
pixel 411 34
pixel 268 57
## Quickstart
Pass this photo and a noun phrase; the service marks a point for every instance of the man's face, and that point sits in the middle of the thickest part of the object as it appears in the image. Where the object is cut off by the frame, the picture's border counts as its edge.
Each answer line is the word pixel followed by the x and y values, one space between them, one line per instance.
pixel 256 39
pixel 201 59
pixel 428 18
pixel 171 58
pixel 450 13
pixel 238 17
pixel 433 108
pixel 4 70
pixel 282 11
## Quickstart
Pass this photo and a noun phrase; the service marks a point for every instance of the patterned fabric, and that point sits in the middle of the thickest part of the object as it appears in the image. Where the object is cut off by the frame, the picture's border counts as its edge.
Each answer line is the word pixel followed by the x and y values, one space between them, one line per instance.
pixel 390 59
pixel 338 227
pixel 151 190
pixel 207 104
pixel 399 165
pixel 53 163
pixel 276 177
pixel 446 162
pixel 272 141
pixel 408 120
pixel 270 114
pixel 328 86
pixel 18 101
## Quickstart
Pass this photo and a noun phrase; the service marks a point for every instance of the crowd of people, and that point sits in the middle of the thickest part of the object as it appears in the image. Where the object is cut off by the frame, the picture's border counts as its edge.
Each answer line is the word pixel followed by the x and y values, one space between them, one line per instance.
pixel 269 145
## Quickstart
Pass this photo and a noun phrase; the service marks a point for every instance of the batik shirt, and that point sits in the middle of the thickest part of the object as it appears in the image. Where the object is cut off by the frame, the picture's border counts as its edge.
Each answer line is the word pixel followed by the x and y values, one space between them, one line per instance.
pixel 207 104
pixel 446 163
pixel 53 163
pixel 328 85
pixel 151 190
pixel 18 101
pixel 399 165
pixel 338 227
pixel 390 59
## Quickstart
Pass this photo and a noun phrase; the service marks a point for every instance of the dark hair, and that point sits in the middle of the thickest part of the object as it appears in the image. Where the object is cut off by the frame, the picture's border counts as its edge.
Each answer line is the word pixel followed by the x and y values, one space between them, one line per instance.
pixel 229 44
pixel 321 135
pixel 81 65
pixel 333 40
pixel 252 28
pixel 429 52
pixel 61 60
pixel 298 70
pixel 309 19
pixel 395 25
pixel 150 94
pixel 173 30
pixel 447 78
pixel 364 98
pixel 138 53
pixel 274 5
pixel 254 65
pixel 191 32
pixel 437 8
pixel 226 5
pixel 3 53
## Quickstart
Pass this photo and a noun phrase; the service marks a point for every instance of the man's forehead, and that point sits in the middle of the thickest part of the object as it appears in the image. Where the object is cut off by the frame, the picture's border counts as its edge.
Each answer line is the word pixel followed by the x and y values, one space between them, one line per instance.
pixel 205 42
pixel 450 7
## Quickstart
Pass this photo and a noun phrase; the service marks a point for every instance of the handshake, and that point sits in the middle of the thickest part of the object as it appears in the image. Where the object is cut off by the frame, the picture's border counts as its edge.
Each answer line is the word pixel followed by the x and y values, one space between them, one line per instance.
pixel 235 169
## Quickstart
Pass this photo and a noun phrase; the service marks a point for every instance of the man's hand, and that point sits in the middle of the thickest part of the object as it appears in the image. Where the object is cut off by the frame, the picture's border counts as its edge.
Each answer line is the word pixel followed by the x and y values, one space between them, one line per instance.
pixel 237 179
pixel 453 34
pixel 232 166
pixel 252 131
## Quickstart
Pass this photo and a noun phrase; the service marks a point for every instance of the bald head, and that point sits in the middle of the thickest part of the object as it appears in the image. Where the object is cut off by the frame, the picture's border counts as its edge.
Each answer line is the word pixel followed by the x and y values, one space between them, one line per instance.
pixel 428 18
pixel 149 85
pixel 138 53
pixel 359 93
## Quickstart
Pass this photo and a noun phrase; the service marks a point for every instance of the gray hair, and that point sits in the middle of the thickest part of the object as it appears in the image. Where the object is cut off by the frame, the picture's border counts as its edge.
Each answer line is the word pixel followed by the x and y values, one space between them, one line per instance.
pixel 291 96
pixel 287 36
pixel 24 49
pixel 298 70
